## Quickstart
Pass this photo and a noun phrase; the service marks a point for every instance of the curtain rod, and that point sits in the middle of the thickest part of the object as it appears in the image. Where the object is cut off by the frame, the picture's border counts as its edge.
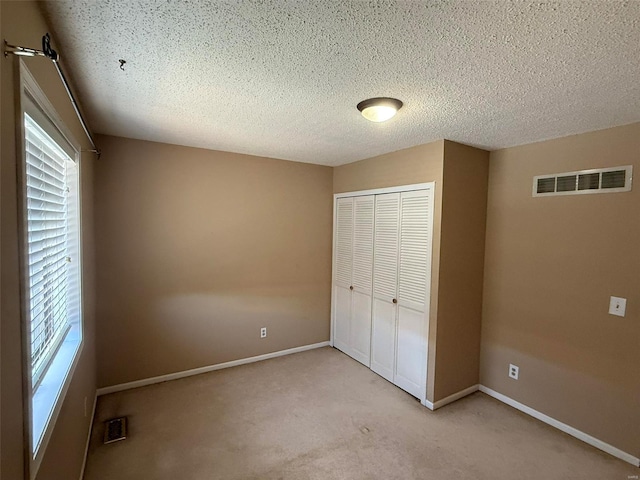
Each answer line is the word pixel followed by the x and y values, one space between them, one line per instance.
pixel 52 55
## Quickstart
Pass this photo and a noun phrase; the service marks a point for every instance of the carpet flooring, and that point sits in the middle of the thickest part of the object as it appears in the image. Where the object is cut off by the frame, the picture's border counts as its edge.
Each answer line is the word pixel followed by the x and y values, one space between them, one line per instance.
pixel 321 415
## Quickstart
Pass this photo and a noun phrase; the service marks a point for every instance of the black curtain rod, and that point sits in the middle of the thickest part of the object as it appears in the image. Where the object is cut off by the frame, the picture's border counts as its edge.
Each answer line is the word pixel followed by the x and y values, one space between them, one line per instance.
pixel 52 55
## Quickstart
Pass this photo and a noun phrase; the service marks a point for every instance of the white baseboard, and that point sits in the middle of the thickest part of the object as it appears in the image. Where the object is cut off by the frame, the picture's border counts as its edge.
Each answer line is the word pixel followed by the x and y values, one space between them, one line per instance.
pixel 427 404
pixel 574 432
pixel 210 368
pixel 451 398
pixel 455 396
pixel 86 447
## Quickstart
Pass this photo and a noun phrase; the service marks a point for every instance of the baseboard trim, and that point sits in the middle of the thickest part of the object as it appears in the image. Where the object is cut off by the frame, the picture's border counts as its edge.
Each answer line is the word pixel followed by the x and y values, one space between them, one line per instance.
pixel 86 447
pixel 428 404
pixel 574 432
pixel 454 397
pixel 210 368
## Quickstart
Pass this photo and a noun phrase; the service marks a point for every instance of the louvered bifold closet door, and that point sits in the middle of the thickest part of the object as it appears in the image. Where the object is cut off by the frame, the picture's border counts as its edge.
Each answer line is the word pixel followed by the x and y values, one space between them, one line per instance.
pixel 385 284
pixel 360 328
pixel 343 269
pixel 414 272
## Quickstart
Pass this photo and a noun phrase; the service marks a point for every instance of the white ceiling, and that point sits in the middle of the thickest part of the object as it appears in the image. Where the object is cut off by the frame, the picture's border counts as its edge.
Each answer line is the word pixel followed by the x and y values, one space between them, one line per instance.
pixel 281 78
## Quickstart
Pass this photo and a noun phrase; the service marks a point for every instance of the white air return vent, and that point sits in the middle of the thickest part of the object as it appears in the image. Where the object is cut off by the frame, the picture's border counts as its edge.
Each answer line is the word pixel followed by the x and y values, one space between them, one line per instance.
pixel 599 180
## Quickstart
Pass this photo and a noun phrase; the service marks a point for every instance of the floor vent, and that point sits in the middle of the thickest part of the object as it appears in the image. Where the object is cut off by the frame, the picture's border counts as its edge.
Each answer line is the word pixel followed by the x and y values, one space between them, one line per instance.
pixel 115 430
pixel 600 180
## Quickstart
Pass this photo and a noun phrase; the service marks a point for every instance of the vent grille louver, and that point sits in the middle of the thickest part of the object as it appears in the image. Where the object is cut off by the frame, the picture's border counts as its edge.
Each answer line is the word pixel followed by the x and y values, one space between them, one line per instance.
pixel 115 430
pixel 615 179
pixel 602 180
pixel 546 185
pixel 589 181
pixel 566 184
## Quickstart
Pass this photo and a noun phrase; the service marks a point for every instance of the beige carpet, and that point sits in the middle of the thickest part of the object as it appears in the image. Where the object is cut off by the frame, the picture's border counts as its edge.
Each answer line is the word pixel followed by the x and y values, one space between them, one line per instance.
pixel 321 415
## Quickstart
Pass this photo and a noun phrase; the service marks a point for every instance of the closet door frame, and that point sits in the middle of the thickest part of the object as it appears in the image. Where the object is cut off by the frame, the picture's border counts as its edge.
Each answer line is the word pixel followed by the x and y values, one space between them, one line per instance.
pixel 398 189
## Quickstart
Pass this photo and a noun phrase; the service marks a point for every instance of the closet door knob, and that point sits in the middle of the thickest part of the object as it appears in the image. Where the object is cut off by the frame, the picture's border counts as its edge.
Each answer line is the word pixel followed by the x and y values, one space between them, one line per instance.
pixel 351 287
pixel 395 300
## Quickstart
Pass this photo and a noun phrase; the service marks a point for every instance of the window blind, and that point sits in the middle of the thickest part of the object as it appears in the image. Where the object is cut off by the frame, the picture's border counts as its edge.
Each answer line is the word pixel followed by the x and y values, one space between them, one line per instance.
pixel 51 224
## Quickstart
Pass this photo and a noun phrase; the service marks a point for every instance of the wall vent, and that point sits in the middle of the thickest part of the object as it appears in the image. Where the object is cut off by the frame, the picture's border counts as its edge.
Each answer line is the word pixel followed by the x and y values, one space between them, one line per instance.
pixel 115 430
pixel 598 180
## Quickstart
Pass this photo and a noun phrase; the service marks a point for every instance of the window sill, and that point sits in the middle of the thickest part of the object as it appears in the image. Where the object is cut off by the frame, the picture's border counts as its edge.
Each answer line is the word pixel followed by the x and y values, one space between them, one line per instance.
pixel 47 398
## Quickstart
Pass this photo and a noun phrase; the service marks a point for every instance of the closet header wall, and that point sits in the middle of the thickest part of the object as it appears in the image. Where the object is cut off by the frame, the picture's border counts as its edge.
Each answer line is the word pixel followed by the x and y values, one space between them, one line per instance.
pixel 460 175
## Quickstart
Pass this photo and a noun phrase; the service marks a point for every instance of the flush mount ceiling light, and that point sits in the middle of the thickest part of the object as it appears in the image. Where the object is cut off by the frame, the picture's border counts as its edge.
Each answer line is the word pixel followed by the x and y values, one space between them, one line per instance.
pixel 379 109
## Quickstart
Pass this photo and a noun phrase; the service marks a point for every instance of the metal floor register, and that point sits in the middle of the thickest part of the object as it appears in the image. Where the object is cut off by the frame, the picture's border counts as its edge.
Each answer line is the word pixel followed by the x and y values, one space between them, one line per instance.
pixel 115 430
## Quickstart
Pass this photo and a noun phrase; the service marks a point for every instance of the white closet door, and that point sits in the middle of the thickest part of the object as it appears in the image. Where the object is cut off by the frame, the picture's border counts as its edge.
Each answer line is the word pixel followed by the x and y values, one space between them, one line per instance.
pixel 360 328
pixel 381 273
pixel 414 271
pixel 385 282
pixel 343 273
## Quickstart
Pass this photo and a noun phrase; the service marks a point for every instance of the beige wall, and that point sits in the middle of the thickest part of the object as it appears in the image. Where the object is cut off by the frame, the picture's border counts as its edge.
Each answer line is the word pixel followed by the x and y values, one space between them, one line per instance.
pixel 23 24
pixel 419 164
pixel 464 209
pixel 551 264
pixel 197 249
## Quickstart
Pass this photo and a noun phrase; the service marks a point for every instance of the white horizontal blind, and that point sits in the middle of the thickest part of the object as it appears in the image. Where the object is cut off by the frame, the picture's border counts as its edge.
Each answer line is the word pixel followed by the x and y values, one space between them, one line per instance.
pixel 52 283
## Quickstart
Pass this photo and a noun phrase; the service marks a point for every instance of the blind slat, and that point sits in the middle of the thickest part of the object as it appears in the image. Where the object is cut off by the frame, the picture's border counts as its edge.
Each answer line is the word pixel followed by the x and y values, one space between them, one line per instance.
pixel 50 219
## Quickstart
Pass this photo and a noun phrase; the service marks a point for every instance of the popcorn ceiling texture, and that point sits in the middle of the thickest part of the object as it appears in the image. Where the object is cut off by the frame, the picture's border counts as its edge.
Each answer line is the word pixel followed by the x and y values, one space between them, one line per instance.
pixel 282 78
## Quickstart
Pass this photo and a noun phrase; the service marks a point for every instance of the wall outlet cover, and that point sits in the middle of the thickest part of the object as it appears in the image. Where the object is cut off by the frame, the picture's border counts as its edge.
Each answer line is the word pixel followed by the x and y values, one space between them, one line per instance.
pixel 617 306
pixel 514 371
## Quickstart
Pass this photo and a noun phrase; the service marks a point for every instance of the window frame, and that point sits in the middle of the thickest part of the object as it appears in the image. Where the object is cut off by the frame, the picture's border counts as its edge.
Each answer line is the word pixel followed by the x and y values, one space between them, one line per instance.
pixel 31 93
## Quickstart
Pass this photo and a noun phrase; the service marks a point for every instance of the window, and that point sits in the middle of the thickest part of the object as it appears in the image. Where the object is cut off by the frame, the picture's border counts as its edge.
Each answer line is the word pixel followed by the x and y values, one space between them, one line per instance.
pixel 51 257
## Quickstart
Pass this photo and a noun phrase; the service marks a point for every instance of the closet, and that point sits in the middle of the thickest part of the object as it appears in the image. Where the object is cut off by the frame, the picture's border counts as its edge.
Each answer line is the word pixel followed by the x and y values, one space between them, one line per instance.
pixel 382 268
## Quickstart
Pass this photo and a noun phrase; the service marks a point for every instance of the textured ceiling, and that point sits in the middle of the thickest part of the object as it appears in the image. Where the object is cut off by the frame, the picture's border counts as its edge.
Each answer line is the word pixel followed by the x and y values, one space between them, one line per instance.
pixel 282 78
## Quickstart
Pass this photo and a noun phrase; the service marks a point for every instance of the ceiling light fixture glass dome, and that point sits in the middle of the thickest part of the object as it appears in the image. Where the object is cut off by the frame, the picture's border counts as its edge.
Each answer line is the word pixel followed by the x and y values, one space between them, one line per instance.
pixel 379 109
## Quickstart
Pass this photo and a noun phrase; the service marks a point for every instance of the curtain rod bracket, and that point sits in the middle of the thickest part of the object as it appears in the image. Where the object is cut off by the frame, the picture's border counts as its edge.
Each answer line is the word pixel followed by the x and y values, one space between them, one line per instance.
pixel 21 51
pixel 97 151
pixel 49 52
pixel 52 55
pixel 46 51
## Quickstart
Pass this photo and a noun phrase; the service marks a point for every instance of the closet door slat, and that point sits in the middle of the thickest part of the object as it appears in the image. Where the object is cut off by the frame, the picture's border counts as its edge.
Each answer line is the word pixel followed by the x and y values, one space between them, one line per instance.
pixel 385 276
pixel 415 251
pixel 363 243
pixel 344 242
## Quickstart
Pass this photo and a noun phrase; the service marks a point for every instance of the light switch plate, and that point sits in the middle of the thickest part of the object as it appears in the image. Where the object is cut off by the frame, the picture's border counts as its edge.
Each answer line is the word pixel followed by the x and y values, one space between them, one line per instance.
pixel 617 306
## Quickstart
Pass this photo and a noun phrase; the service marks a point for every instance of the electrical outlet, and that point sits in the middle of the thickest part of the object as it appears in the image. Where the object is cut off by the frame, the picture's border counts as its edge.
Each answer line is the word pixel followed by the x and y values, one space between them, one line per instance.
pixel 514 371
pixel 263 332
